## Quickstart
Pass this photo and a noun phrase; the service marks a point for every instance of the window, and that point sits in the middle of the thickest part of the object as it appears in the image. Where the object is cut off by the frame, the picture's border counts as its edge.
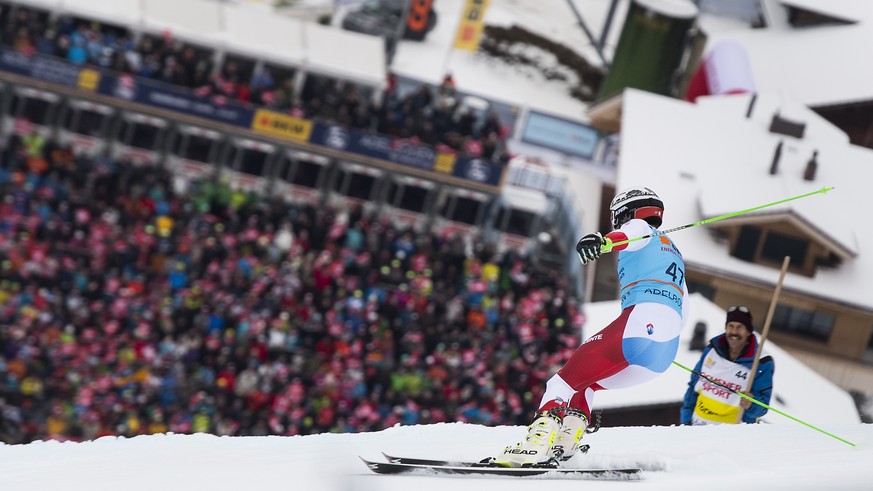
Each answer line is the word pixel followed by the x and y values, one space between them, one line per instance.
pixel 85 122
pixel 306 174
pixel 356 185
pixel 810 324
pixel 198 148
pixel 517 222
pixel 462 209
pixel 777 246
pixel 747 243
pixel 35 110
pixel 704 289
pixel 408 196
pixel 141 135
pixel 253 162
pixel 868 353
pixel 767 246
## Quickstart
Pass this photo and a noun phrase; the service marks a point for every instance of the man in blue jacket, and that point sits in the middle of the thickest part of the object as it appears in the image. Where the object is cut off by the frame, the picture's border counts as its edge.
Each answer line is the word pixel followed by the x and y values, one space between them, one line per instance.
pixel 728 361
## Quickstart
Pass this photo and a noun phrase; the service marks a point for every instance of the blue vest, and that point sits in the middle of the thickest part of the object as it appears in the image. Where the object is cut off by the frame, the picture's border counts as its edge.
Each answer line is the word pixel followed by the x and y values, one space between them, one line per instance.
pixel 655 273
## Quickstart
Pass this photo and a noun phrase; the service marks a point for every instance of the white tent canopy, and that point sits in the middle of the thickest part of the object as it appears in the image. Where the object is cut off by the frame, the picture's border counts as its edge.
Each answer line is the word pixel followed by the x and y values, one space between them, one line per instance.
pixel 261 34
pixel 49 5
pixel 117 12
pixel 345 54
pixel 197 21
pixel 251 32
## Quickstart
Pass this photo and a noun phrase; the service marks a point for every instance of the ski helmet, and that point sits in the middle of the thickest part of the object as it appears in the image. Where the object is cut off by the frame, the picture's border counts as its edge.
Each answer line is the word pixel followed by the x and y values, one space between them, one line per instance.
pixel 636 202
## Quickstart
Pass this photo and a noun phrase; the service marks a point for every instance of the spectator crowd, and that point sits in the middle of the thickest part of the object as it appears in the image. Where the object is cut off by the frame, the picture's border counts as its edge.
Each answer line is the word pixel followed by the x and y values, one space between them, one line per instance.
pixel 127 308
pixel 435 116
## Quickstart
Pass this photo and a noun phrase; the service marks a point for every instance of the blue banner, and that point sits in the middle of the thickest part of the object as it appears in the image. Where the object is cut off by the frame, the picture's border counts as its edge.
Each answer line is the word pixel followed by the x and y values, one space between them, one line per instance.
pixel 377 146
pixel 478 170
pixel 43 68
pixel 560 134
pixel 157 94
pixel 406 153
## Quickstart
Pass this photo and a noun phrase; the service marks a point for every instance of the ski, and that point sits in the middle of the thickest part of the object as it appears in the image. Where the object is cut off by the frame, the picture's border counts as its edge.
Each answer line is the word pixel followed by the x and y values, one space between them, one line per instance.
pixel 480 469
pixel 417 461
pixel 457 463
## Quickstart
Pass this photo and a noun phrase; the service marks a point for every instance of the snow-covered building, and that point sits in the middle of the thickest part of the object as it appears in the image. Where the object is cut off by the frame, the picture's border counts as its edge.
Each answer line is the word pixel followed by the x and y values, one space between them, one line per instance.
pixel 802 126
pixel 730 153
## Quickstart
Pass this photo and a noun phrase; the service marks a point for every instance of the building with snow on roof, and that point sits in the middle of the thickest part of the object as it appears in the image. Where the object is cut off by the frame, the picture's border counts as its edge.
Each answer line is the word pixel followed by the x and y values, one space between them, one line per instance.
pixel 725 154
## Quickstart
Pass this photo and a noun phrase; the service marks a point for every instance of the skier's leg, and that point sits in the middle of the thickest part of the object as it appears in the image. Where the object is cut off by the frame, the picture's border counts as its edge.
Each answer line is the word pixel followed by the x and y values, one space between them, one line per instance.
pixel 598 357
pixel 648 344
pixel 651 340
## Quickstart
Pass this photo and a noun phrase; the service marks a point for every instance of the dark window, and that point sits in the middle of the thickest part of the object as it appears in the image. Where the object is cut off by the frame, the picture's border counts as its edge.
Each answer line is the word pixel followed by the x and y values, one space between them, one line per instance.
pixel 197 148
pixel 253 162
pixel 516 222
pixel 777 246
pixel 407 196
pixel 141 135
pixel 462 210
pixel 811 324
pixel 34 110
pixel 747 243
pixel 356 185
pixel 306 174
pixel 85 122
pixel 868 353
pixel 704 289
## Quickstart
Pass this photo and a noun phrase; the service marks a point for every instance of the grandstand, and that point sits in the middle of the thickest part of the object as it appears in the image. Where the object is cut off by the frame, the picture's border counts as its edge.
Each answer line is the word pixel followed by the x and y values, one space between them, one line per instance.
pixel 282 113
pixel 203 232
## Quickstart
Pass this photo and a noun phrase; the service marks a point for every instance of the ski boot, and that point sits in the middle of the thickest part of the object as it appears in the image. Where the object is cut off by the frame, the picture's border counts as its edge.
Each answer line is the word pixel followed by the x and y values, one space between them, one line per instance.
pixel 566 442
pixel 535 450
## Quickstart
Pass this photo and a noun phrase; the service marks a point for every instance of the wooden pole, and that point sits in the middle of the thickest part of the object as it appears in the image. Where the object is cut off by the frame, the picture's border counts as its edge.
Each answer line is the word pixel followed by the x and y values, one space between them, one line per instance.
pixel 764 331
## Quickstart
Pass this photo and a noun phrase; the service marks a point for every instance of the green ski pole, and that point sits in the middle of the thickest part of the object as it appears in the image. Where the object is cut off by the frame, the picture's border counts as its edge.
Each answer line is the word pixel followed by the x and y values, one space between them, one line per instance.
pixel 720 217
pixel 751 399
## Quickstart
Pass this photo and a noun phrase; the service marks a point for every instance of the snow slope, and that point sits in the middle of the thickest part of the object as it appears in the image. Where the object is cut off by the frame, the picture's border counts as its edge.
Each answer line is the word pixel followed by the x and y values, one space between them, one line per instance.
pixel 772 457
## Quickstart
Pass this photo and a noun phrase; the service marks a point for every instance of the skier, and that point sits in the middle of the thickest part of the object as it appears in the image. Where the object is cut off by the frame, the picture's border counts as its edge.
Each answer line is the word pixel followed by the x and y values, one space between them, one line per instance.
pixel 729 359
pixel 636 347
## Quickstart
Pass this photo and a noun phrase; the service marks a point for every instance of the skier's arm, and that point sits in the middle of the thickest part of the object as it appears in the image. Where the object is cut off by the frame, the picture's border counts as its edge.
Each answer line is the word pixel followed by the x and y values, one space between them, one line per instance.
pixel 631 230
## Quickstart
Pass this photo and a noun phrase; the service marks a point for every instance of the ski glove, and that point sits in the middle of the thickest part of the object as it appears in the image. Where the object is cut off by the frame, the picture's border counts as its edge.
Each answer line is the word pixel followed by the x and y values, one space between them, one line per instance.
pixel 590 247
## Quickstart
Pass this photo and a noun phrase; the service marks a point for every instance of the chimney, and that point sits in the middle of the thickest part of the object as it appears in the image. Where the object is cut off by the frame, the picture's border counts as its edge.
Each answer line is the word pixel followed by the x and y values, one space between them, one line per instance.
pixel 698 339
pixel 782 126
pixel 751 105
pixel 811 166
pixel 774 166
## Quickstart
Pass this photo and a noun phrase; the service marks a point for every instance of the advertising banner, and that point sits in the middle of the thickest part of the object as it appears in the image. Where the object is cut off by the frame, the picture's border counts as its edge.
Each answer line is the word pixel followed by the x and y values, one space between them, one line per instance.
pixel 376 146
pixel 407 153
pixel 152 93
pixel 52 70
pixel 560 134
pixel 282 125
pixel 480 171
pixel 471 25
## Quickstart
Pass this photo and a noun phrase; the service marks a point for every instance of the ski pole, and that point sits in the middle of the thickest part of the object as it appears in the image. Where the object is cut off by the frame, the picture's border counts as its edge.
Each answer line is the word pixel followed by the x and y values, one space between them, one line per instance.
pixel 752 399
pixel 720 217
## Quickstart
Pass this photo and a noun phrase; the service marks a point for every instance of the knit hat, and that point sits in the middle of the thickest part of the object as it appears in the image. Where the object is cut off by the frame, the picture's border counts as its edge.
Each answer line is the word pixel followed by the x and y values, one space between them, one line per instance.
pixel 742 315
